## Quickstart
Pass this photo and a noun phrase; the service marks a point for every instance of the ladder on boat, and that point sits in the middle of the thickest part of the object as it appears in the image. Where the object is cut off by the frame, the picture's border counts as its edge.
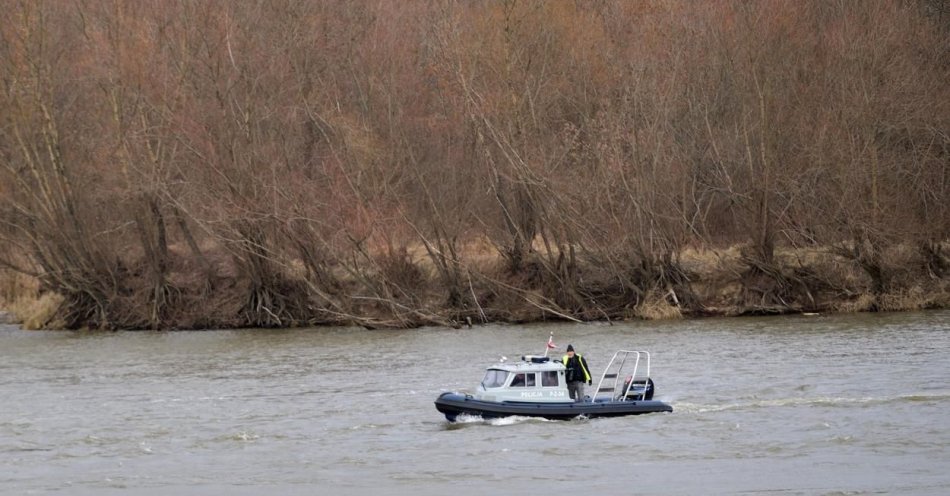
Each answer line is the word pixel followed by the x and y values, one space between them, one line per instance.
pixel 613 384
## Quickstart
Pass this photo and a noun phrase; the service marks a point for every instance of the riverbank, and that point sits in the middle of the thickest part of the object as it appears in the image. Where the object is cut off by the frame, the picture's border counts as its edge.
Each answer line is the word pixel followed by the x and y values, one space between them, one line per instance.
pixel 410 291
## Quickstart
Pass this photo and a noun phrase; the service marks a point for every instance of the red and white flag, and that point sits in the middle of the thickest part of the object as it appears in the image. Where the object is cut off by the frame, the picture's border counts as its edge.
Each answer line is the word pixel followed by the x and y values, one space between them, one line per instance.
pixel 551 345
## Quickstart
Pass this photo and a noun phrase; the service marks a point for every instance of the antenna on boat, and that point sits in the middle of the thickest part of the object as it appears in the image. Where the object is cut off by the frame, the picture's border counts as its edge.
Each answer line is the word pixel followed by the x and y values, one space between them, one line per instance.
pixel 550 346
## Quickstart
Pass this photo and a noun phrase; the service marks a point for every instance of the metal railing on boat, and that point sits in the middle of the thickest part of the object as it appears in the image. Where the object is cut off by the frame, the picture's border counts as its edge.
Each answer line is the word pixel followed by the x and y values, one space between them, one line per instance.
pixel 614 371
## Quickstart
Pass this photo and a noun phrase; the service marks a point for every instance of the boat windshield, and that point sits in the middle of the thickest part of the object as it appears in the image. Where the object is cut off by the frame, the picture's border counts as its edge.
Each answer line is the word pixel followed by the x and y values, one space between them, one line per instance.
pixel 494 378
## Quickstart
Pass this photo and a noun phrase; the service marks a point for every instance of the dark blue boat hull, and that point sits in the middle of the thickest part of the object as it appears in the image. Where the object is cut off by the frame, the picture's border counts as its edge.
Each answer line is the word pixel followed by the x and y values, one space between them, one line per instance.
pixel 454 404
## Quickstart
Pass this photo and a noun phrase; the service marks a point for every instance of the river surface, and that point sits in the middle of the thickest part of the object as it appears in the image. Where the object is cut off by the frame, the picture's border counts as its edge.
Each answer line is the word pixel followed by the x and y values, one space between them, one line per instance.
pixel 848 404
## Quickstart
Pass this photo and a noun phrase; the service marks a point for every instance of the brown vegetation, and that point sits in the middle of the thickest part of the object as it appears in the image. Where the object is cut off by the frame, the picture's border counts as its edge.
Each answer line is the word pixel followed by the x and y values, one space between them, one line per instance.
pixel 183 164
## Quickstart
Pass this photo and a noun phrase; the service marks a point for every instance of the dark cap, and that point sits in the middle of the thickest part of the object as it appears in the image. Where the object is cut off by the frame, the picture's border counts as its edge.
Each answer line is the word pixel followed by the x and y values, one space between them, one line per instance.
pixel 570 347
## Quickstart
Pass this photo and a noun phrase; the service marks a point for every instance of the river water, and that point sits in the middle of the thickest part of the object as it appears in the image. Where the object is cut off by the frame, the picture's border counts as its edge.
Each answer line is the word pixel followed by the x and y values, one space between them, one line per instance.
pixel 846 404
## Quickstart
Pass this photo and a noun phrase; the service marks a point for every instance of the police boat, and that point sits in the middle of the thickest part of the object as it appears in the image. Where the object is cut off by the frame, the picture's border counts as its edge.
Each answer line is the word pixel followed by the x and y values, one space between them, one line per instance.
pixel 536 386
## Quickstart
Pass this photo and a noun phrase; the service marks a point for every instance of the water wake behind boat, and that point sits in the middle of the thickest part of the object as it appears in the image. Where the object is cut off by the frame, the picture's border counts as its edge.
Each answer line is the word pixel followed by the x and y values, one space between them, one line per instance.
pixel 687 407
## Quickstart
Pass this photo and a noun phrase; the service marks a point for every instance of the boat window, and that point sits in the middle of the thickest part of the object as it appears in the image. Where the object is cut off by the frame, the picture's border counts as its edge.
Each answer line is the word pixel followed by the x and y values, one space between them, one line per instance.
pixel 532 380
pixel 518 381
pixel 494 378
pixel 549 378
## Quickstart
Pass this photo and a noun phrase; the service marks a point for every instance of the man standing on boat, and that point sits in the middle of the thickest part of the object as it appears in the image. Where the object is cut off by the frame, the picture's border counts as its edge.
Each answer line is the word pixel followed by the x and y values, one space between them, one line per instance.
pixel 577 373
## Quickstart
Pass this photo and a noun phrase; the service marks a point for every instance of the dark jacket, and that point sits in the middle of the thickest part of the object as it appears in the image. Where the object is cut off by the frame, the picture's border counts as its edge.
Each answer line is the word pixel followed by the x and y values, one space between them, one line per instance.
pixel 577 369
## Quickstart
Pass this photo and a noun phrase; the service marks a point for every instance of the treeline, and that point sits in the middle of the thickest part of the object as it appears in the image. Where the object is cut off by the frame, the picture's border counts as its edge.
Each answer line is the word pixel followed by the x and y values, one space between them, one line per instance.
pixel 270 163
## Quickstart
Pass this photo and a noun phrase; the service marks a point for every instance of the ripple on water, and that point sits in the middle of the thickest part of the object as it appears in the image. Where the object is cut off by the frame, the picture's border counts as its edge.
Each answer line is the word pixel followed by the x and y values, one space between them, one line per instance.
pixel 465 420
pixel 693 408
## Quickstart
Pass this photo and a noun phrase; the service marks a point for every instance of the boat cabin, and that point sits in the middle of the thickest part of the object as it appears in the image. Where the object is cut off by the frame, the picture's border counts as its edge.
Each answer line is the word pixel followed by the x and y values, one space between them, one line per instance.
pixel 533 380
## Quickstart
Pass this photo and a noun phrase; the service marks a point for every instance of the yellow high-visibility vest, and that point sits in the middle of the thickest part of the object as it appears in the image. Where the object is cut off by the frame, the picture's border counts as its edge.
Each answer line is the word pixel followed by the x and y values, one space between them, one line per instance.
pixel 583 367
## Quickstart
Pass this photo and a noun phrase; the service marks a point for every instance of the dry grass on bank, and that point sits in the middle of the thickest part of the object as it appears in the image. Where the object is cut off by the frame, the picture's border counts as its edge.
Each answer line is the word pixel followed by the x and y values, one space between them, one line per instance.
pixel 657 306
pixel 20 296
pixel 812 279
pixel 819 280
pixel 37 312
